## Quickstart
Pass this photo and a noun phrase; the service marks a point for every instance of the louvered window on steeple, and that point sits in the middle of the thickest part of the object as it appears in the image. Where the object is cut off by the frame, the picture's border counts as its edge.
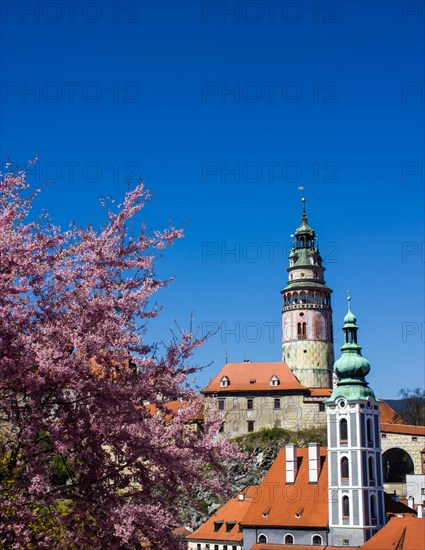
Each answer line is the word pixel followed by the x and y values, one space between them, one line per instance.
pixel 369 432
pixel 344 468
pixel 372 508
pixel 345 507
pixel 370 469
pixel 343 431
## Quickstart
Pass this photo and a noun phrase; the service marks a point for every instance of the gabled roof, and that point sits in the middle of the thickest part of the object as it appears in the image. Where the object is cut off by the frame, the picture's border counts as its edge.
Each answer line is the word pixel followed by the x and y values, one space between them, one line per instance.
pixel 252 377
pixel 399 534
pixel 393 507
pixel 278 502
pixel 388 414
pixel 232 512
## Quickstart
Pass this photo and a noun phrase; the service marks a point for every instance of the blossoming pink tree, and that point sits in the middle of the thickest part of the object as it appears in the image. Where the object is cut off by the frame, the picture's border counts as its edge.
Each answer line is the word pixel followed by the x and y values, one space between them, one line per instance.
pixel 83 463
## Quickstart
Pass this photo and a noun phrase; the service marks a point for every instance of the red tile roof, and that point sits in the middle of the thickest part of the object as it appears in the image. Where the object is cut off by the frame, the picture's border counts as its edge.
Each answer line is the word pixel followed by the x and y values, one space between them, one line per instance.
pixel 399 534
pixel 320 392
pixel 281 501
pixel 389 415
pixel 253 377
pixel 402 429
pixel 232 512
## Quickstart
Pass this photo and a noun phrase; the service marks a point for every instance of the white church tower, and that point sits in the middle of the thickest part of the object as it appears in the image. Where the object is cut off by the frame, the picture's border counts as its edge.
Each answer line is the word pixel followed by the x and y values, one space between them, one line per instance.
pixel 356 495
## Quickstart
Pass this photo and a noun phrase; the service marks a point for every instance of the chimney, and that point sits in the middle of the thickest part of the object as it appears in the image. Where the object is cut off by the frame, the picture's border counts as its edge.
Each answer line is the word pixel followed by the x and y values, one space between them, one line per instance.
pixel 291 463
pixel 420 511
pixel 395 497
pixel 313 462
pixel 410 501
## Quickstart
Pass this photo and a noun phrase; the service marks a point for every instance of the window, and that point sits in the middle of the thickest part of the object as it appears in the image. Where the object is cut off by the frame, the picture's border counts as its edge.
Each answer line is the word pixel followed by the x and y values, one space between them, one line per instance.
pixel 384 436
pixel 207 547
pixel 414 438
pixel 289 539
pixel 217 525
pixel 224 546
pixel 224 382
pixel 229 526
pixel 343 431
pixel 277 403
pixel 344 468
pixel 250 425
pixel 198 546
pixel 262 539
pixel 369 432
pixel 372 508
pixel 221 404
pixel 345 507
pixel 215 546
pixel 316 540
pixel 371 469
pixel 250 404
pixel 321 407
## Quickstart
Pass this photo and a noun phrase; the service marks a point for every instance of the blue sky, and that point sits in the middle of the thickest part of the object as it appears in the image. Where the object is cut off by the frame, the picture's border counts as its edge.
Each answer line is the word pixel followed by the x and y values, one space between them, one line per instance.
pixel 225 108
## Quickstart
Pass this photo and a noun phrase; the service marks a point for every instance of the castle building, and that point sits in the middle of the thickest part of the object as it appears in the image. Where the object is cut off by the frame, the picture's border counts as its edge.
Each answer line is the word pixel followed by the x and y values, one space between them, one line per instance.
pixel 325 498
pixel 291 393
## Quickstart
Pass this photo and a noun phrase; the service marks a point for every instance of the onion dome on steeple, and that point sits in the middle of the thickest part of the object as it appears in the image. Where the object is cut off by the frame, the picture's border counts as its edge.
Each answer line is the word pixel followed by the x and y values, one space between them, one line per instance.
pixel 351 368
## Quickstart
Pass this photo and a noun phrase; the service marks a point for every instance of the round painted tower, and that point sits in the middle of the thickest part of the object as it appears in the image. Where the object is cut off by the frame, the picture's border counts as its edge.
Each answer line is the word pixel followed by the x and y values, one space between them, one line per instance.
pixel 307 341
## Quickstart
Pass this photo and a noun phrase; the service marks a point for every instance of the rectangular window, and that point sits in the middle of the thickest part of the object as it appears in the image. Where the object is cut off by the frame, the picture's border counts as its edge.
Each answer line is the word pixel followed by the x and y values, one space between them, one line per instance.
pixel 414 438
pixel 224 546
pixel 198 546
pixel 250 404
pixel 215 546
pixel 221 404
pixel 321 407
pixel 250 425
pixel 277 403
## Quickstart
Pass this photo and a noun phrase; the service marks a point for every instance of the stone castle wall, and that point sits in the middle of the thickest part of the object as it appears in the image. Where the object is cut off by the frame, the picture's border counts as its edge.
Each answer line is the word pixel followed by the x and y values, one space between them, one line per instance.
pixel 412 444
pixel 293 413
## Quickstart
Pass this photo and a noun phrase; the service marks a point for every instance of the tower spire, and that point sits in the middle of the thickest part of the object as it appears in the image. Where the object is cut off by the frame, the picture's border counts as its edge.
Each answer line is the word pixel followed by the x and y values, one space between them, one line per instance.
pixel 351 368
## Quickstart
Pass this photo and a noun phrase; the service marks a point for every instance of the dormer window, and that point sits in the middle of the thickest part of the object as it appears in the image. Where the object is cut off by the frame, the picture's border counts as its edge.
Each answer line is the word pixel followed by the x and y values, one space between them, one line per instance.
pixel 230 525
pixel 217 525
pixel 274 380
pixel 224 382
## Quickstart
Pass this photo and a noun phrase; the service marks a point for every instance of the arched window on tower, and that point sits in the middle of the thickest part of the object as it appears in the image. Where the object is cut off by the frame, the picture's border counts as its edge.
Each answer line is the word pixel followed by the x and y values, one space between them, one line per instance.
pixel 303 297
pixel 371 469
pixel 344 468
pixel 343 431
pixel 304 330
pixel 289 539
pixel 299 329
pixel 345 507
pixel 295 297
pixel 373 508
pixel 369 432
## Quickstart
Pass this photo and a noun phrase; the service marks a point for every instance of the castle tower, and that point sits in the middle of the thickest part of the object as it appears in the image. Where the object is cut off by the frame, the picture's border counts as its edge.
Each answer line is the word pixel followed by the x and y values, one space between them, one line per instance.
pixel 307 342
pixel 356 495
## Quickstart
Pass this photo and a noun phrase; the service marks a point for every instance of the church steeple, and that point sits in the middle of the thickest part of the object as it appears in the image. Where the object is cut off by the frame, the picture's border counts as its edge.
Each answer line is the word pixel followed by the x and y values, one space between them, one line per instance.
pixel 307 343
pixel 356 497
pixel 351 368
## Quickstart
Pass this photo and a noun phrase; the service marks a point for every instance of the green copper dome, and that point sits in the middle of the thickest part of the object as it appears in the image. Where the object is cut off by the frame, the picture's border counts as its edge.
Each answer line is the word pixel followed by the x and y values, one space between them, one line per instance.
pixel 304 227
pixel 351 368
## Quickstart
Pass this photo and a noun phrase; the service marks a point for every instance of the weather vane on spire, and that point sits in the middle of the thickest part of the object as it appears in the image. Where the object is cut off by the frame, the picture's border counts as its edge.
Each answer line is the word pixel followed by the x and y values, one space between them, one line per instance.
pixel 301 188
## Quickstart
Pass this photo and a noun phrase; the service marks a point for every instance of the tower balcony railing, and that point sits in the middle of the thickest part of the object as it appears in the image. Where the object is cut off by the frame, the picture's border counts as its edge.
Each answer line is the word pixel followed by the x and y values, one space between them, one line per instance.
pixel 306 305
pixel 302 336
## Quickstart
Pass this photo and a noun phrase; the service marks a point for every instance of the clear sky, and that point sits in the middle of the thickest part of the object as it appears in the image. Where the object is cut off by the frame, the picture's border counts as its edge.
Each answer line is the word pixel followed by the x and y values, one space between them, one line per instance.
pixel 225 108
